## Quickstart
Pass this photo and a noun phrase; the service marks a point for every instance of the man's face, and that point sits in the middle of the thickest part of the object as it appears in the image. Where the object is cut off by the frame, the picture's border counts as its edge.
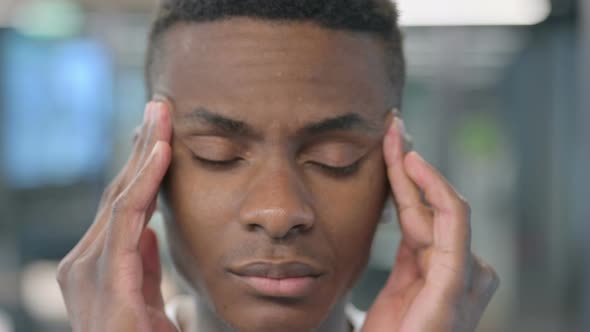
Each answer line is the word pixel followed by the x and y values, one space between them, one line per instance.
pixel 277 179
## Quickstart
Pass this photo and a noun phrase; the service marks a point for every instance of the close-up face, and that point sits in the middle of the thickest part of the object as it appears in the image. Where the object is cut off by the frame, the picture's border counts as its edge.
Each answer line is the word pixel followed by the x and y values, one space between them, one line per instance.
pixel 277 181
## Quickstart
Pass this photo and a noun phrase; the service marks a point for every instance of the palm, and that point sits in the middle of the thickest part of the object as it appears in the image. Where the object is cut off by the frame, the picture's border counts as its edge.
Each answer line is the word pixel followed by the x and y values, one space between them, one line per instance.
pixel 142 284
pixel 408 296
pixel 402 302
pixel 151 283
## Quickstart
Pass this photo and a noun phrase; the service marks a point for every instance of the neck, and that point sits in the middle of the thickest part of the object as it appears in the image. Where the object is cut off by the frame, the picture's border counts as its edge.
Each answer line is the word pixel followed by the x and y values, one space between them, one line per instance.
pixel 209 321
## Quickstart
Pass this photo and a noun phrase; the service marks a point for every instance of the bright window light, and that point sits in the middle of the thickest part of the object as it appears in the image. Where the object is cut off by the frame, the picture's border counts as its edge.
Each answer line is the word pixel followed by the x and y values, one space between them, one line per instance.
pixel 472 12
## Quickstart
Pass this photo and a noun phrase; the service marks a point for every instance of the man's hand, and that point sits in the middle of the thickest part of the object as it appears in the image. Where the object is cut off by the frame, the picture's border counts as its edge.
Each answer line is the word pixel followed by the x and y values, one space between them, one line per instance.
pixel 437 284
pixel 111 280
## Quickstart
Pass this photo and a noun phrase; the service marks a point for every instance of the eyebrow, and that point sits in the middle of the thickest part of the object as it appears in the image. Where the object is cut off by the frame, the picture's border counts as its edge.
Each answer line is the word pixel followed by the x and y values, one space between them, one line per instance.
pixel 232 127
pixel 224 124
pixel 349 121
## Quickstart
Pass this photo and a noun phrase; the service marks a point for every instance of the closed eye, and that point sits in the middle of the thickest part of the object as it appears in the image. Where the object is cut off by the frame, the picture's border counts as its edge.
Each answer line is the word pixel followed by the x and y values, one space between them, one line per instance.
pixel 339 171
pixel 219 164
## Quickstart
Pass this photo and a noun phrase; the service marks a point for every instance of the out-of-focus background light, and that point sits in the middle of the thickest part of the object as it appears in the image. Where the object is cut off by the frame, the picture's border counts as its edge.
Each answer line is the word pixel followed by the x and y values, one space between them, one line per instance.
pixel 49 18
pixel 473 12
pixel 62 17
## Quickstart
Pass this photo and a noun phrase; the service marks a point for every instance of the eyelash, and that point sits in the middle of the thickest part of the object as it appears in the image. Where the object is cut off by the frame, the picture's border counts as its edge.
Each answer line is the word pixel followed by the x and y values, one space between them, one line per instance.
pixel 218 164
pixel 335 171
pixel 340 171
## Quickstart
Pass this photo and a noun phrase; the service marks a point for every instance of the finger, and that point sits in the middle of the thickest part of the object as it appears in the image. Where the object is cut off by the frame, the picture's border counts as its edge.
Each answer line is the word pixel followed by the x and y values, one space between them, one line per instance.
pixel 452 231
pixel 415 217
pixel 448 268
pixel 405 270
pixel 163 118
pixel 152 270
pixel 137 134
pixel 134 162
pixel 156 126
pixel 485 283
pixel 110 193
pixel 152 207
pixel 159 128
pixel 400 290
pixel 406 193
pixel 130 210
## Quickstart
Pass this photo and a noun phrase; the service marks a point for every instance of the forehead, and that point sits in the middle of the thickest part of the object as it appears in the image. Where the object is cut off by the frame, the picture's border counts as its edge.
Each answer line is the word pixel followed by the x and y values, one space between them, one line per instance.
pixel 293 68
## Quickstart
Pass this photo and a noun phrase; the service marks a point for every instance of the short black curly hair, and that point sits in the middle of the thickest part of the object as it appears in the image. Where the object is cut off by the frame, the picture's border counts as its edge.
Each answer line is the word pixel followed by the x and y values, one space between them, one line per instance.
pixel 378 17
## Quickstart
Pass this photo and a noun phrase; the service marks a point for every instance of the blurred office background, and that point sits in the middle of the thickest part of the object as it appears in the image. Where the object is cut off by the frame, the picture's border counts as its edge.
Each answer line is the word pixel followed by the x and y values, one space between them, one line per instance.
pixel 498 98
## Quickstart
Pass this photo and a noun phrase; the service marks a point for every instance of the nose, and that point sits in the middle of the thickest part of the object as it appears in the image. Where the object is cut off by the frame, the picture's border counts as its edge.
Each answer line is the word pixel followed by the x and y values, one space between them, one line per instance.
pixel 276 203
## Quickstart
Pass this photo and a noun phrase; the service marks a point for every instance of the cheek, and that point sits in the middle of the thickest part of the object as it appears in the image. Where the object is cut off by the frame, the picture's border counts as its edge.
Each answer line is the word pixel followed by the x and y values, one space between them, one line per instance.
pixel 199 202
pixel 198 212
pixel 350 213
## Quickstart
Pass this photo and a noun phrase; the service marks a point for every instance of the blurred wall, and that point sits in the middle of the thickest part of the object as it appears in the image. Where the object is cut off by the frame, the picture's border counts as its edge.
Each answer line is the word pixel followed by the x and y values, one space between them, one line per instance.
pixel 503 111
pixel 582 196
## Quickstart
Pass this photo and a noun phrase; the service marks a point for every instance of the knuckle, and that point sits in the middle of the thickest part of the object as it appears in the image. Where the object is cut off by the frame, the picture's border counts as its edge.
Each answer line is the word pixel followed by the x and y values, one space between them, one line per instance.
pixel 425 211
pixel 119 205
pixel 494 278
pixel 63 270
pixel 464 205
pixel 70 271
pixel 109 192
pixel 105 196
pixel 453 281
pixel 113 190
pixel 137 134
pixel 76 271
pixel 491 279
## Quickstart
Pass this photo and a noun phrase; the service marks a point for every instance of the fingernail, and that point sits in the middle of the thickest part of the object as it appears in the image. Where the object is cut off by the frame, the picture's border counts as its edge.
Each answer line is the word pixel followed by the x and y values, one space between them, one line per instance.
pixel 394 127
pixel 417 156
pixel 156 149
pixel 401 126
pixel 146 113
pixel 406 138
pixel 156 107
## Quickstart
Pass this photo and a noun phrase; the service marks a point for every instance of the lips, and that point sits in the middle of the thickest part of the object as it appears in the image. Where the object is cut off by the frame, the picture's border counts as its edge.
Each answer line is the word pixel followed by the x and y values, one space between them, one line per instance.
pixel 277 271
pixel 282 280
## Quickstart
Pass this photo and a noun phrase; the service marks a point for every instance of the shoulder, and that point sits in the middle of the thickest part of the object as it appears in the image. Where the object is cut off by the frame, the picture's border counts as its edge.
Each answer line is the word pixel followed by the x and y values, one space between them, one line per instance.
pixel 355 316
pixel 181 311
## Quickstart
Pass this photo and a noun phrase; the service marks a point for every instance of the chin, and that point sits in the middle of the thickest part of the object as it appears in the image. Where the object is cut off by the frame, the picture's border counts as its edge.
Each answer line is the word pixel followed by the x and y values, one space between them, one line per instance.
pixel 273 317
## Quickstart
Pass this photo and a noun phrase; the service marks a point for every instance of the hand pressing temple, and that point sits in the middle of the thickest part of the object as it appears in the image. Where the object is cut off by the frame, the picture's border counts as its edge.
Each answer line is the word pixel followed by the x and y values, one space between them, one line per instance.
pixel 437 284
pixel 272 153
pixel 111 279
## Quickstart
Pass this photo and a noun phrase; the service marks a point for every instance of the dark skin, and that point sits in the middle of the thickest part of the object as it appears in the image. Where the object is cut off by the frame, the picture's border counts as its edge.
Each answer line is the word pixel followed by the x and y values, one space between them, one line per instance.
pixel 279 146
pixel 278 201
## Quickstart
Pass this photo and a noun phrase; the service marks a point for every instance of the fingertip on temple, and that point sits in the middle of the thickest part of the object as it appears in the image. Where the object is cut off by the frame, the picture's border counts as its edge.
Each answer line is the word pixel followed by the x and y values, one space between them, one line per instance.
pixel 415 166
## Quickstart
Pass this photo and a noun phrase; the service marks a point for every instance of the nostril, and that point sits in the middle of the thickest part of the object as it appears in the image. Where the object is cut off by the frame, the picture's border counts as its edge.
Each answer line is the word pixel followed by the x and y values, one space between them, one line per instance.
pixel 253 227
pixel 284 218
pixel 301 228
pixel 278 231
pixel 298 229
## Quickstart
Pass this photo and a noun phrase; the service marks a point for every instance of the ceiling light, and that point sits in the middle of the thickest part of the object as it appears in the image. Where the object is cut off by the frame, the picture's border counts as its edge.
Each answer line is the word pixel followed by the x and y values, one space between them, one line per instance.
pixel 472 12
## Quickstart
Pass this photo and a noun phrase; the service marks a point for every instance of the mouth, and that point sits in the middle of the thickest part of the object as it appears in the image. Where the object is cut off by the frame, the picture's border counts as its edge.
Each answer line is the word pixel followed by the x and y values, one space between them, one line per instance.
pixel 288 280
